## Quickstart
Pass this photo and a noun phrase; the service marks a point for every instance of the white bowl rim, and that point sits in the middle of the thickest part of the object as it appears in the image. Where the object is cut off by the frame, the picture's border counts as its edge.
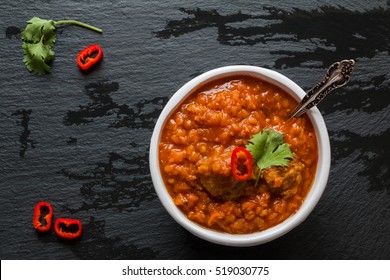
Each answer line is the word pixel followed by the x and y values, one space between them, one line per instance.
pixel 311 200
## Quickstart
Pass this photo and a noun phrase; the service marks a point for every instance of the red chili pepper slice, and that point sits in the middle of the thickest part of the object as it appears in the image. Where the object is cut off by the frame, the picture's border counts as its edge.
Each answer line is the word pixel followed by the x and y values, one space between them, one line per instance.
pixel 68 228
pixel 43 216
pixel 89 56
pixel 241 163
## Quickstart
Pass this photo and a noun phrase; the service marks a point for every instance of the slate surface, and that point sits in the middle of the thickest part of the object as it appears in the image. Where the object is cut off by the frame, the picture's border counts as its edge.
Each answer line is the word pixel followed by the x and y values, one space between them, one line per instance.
pixel 81 141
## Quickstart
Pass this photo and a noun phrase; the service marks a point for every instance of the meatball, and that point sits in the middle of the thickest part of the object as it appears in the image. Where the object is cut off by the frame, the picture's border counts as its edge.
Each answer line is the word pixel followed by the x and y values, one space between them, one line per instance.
pixel 284 180
pixel 225 187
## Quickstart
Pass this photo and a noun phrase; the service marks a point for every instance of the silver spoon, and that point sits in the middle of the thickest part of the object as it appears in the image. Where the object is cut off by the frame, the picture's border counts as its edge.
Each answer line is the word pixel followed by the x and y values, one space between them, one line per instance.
pixel 338 75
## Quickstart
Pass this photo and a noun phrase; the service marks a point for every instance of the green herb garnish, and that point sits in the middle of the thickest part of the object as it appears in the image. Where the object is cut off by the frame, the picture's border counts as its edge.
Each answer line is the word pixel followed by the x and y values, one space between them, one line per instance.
pixel 38 38
pixel 268 149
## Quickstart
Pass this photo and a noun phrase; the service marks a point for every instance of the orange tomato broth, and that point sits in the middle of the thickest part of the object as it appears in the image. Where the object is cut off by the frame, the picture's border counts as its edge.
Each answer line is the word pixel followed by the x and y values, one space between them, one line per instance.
pixel 198 138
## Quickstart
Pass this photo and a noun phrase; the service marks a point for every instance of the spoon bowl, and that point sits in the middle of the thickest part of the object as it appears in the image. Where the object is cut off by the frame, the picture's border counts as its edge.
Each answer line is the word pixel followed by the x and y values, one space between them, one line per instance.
pixel 312 198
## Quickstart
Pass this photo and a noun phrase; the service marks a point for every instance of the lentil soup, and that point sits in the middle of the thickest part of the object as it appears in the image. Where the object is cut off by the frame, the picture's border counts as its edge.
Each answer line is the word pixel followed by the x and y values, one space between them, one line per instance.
pixel 195 151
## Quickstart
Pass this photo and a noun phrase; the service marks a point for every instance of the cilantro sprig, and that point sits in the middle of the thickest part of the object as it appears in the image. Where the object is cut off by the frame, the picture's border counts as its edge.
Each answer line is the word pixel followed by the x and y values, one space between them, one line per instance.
pixel 38 37
pixel 268 149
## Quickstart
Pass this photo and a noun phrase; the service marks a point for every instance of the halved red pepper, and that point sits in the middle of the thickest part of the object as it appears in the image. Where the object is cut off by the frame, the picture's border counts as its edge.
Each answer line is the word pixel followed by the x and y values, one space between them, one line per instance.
pixel 43 216
pixel 89 56
pixel 241 163
pixel 68 228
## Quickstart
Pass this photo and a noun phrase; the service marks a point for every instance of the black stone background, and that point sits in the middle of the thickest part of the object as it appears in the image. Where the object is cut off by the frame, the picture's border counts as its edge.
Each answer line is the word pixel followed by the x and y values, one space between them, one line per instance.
pixel 81 141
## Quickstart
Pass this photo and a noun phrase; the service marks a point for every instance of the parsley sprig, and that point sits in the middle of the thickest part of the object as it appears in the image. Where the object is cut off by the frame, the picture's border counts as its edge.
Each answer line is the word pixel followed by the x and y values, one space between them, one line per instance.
pixel 268 149
pixel 38 37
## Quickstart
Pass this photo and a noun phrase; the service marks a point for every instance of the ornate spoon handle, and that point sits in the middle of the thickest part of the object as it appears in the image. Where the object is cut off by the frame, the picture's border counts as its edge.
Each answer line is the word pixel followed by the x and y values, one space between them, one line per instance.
pixel 338 75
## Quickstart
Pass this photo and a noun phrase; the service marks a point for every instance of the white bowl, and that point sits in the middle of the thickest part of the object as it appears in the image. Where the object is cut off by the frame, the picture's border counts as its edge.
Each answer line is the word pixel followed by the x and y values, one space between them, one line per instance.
pixel 319 184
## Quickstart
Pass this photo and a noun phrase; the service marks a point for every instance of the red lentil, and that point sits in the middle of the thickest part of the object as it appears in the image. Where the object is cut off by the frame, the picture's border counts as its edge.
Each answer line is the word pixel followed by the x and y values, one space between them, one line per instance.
pixel 197 142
